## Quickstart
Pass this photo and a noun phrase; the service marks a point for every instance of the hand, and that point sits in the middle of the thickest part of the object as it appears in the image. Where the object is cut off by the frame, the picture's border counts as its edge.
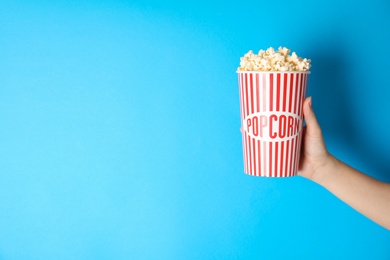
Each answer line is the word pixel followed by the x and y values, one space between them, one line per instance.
pixel 314 154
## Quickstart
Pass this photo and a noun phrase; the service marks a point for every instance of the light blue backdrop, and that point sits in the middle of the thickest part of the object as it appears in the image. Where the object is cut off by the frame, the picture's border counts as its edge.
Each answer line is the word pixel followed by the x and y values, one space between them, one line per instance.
pixel 119 129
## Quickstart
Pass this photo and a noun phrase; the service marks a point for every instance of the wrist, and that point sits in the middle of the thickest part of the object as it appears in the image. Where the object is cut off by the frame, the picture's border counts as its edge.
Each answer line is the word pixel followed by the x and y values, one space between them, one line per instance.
pixel 326 171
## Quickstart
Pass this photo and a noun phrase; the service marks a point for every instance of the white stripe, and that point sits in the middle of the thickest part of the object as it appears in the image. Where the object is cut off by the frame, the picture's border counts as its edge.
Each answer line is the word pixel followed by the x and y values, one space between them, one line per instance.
pixel 270 157
pixel 255 94
pixel 255 161
pixel 299 137
pixel 282 94
pixel 266 91
pixel 291 153
pixel 265 158
pixel 287 149
pixel 287 158
pixel 248 139
pixel 293 93
pixel 281 105
pixel 274 89
pixel 278 173
pixel 244 134
pixel 299 92
pixel 296 86
pixel 240 77
pixel 304 93
pixel 249 94
pixel 267 102
pixel 245 113
pixel 255 158
pixel 288 91
pixel 263 86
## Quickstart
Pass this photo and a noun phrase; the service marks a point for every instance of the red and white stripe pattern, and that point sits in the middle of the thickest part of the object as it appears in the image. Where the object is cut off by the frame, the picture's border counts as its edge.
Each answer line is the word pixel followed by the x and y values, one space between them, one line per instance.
pixel 267 92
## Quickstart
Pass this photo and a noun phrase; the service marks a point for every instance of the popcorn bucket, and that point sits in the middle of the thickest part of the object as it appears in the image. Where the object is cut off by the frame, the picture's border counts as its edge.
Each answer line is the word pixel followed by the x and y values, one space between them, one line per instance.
pixel 271 119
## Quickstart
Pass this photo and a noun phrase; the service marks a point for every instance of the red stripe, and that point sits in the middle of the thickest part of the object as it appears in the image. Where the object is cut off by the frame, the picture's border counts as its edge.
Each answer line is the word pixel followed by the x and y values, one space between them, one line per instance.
pixel 259 156
pixel 287 158
pixel 264 158
pixel 281 159
pixel 258 93
pixel 243 150
pixel 271 92
pixel 292 156
pixel 295 156
pixel 242 96
pixel 251 88
pixel 250 156
pixel 299 154
pixel 270 160
pixel 264 92
pixel 296 94
pixel 291 92
pixel 254 157
pixel 246 94
pixel 278 91
pixel 276 159
pixel 243 116
pixel 239 90
pixel 304 85
pixel 284 92
pixel 300 95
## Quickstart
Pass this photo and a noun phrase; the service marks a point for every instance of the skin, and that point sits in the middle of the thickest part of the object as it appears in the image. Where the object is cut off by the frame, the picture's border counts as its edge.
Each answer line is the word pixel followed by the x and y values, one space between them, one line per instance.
pixel 365 194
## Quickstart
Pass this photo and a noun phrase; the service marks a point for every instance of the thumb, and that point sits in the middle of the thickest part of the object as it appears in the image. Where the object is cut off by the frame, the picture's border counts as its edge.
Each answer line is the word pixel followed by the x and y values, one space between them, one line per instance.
pixel 312 126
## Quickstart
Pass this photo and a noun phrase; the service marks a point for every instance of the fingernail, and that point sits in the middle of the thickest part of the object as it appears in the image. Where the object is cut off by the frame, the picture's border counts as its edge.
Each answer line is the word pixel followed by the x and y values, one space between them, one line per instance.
pixel 310 100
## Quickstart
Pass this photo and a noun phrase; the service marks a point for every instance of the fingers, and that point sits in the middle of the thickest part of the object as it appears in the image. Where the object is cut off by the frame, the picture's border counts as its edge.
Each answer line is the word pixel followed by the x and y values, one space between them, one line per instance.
pixel 313 128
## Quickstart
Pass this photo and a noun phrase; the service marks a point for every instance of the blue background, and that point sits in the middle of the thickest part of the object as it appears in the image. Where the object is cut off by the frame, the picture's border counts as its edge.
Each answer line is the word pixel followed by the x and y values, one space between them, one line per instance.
pixel 119 129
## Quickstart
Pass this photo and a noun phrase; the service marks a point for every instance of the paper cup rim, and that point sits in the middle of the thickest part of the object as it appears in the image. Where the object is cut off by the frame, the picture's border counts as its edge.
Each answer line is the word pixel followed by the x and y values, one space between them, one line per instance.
pixel 272 71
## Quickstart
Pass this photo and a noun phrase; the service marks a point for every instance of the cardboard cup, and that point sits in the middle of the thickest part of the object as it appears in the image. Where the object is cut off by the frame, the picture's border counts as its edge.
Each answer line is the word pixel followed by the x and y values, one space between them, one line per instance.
pixel 271 120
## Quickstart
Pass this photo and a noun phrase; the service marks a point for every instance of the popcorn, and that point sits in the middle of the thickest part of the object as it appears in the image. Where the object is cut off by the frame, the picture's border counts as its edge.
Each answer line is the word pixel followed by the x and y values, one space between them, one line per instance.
pixel 271 60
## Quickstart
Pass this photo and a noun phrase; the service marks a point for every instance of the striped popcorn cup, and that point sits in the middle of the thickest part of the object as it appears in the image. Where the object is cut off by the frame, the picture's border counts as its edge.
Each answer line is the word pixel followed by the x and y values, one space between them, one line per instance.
pixel 271 119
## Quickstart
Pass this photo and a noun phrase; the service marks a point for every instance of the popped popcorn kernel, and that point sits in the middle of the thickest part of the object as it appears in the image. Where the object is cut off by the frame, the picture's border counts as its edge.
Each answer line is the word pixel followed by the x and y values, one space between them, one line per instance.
pixel 271 60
